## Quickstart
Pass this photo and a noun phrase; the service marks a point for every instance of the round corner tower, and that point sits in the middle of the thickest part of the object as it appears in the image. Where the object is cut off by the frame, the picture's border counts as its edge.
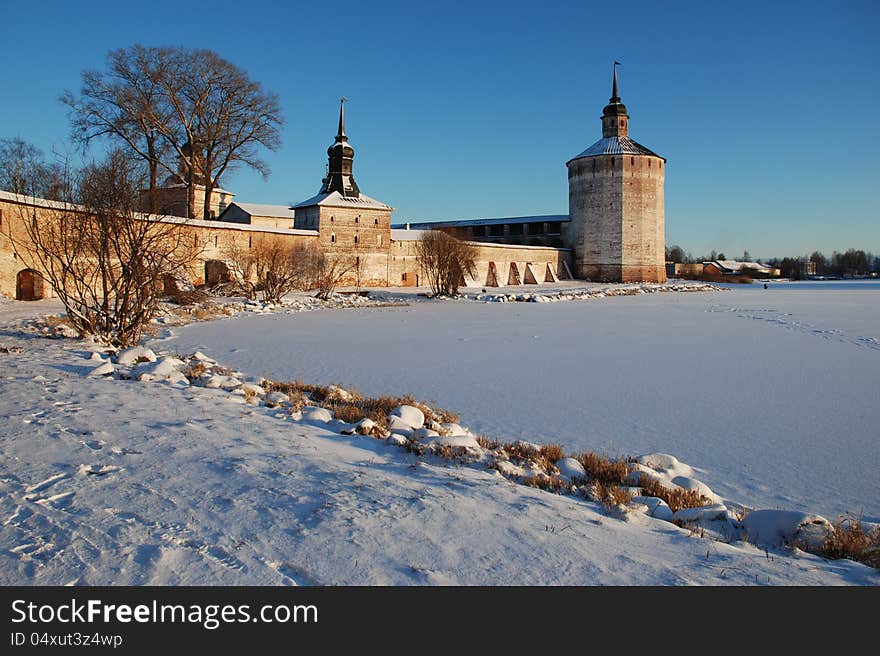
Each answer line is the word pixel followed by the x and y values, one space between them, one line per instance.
pixel 615 200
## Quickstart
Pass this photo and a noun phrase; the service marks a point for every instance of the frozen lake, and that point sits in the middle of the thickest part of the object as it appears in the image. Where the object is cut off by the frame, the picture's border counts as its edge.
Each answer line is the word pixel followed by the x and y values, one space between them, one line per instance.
pixel 771 394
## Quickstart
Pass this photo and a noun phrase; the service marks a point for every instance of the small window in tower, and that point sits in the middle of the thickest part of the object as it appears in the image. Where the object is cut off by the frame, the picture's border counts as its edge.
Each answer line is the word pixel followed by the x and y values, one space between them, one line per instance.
pixel 356 239
pixel 332 239
pixel 375 221
pixel 632 161
pixel 357 219
pixel 331 219
pixel 250 241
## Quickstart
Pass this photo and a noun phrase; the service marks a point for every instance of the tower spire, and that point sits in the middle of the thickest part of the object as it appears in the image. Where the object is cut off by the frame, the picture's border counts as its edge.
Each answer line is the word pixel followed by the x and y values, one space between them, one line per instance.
pixel 614 97
pixel 340 158
pixel 340 135
pixel 615 120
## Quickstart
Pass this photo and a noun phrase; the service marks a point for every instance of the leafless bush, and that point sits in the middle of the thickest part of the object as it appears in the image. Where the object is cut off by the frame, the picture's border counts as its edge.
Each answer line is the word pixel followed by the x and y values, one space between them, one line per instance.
pixel 104 260
pixel 327 270
pixel 446 261
pixel 675 497
pixel 849 539
pixel 270 264
pixel 603 469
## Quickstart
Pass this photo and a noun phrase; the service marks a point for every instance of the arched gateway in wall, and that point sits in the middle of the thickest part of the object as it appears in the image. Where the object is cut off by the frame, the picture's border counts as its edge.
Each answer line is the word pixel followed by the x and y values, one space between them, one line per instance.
pixel 28 285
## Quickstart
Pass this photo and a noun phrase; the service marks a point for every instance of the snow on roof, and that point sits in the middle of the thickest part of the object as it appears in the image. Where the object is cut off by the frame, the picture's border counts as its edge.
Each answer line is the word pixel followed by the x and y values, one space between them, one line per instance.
pixel 734 265
pixel 196 223
pixel 616 146
pixel 335 199
pixel 258 209
pixel 407 235
pixel 414 235
pixel 455 223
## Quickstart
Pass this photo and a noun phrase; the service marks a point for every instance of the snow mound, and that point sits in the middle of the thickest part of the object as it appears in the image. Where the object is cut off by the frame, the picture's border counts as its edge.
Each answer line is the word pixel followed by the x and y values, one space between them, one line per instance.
pixel 424 433
pixel 398 425
pixel 409 415
pixel 218 381
pixel 277 398
pixel 451 428
pixel 201 357
pixel 465 441
pixel 715 512
pixel 135 354
pixel 694 485
pixel 162 367
pixel 397 440
pixel 316 415
pixel 103 370
pixel 96 356
pixel 252 388
pixel 667 464
pixel 780 527
pixel 571 468
pixel 657 507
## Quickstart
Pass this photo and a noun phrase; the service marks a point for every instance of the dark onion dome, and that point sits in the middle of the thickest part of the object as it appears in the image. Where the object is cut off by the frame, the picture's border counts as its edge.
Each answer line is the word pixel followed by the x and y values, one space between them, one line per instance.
pixel 616 146
pixel 347 150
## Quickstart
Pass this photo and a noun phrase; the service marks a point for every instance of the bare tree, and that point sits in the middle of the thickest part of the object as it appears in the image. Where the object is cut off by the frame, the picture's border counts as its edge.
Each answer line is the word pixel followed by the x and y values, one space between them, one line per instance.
pixel 270 264
pixel 446 261
pixel 24 170
pixel 125 103
pixel 103 259
pixel 178 101
pixel 235 117
pixel 328 270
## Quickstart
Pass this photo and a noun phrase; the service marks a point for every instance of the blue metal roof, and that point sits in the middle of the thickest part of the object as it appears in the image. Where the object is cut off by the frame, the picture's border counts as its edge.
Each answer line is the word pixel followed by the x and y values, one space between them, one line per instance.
pixel 616 146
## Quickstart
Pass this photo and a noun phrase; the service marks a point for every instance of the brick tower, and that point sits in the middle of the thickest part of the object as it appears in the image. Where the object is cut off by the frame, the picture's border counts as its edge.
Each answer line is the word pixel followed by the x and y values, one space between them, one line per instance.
pixel 615 200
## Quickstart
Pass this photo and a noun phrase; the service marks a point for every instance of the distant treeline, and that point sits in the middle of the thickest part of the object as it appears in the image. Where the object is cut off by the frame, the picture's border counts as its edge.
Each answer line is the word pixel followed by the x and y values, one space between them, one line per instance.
pixel 851 264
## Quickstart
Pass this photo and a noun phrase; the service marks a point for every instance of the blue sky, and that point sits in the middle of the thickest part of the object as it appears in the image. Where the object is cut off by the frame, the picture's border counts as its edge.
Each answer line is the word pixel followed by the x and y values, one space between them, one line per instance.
pixel 766 112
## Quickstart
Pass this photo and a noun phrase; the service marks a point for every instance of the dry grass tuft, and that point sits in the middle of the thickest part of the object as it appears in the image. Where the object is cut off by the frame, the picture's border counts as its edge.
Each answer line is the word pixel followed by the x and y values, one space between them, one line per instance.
pixel 189 297
pixel 602 469
pixel 549 455
pixel 349 413
pixel 196 370
pixel 850 540
pixel 520 451
pixel 487 443
pixel 676 498
pixel 549 483
pixel 611 495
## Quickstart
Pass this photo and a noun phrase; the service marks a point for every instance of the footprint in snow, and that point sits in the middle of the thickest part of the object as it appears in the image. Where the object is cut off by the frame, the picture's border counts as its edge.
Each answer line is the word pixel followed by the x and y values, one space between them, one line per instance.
pixel 31 490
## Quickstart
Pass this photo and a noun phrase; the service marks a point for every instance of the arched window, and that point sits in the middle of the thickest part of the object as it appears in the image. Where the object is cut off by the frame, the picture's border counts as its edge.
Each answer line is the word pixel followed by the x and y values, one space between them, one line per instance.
pixel 357 219
pixel 356 239
pixel 333 238
pixel 375 221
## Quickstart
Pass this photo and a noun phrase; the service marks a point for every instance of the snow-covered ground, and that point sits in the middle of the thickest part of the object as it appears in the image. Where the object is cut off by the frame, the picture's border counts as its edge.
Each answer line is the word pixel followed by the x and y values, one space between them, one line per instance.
pixel 771 394
pixel 107 481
